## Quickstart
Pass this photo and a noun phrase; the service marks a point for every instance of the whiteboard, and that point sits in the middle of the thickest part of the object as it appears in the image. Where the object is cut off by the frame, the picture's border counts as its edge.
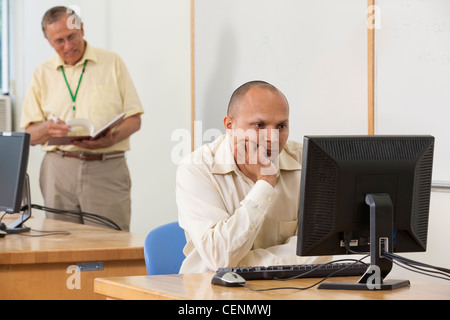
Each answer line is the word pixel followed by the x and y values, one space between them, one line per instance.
pixel 413 74
pixel 313 51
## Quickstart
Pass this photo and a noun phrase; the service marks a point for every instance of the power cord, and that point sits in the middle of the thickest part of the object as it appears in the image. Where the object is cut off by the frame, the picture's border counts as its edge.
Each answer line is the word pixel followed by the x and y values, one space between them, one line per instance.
pixel 306 273
pixel 418 267
pixel 408 264
pixel 45 233
pixel 412 265
pixel 94 218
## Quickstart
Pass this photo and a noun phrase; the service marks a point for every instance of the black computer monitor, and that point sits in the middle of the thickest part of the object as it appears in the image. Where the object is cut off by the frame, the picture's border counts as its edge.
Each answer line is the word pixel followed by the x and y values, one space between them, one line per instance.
pixel 14 182
pixel 366 193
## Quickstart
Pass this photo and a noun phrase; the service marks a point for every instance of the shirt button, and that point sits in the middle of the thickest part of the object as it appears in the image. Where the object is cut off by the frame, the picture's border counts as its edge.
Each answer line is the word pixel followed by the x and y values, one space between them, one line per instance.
pixel 269 199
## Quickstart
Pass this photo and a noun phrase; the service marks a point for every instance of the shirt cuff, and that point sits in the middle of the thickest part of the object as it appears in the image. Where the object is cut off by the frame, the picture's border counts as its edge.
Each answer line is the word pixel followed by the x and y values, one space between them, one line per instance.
pixel 262 195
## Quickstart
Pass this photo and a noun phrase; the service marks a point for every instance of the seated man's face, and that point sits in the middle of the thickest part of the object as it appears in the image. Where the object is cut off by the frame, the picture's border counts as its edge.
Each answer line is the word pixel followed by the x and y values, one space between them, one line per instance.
pixel 263 119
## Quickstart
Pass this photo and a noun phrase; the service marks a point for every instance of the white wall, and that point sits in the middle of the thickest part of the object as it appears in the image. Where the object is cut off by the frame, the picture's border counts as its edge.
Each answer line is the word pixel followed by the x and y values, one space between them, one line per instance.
pixel 413 74
pixel 313 51
pixel 153 38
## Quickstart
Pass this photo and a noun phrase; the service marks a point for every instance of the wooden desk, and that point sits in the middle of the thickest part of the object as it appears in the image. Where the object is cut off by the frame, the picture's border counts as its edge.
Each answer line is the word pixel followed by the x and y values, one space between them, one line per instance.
pixel 43 267
pixel 199 287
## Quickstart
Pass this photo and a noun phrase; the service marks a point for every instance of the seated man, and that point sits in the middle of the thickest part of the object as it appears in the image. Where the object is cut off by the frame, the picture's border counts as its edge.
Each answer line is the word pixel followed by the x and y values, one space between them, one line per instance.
pixel 238 197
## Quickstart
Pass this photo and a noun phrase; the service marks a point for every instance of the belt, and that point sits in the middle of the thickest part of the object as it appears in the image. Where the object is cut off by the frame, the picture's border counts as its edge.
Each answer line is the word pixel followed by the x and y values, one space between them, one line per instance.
pixel 84 156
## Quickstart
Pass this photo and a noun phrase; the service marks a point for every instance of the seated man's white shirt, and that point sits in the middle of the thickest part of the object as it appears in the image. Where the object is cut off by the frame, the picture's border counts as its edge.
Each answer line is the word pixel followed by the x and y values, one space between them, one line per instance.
pixel 231 221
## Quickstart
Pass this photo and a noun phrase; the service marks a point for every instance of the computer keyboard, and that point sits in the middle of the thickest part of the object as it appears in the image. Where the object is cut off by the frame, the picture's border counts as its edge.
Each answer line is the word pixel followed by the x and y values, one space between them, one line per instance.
pixel 301 271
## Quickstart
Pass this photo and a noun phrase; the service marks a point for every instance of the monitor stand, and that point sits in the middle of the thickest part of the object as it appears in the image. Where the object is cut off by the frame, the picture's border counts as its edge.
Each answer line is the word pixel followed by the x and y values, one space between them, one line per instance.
pixel 18 225
pixel 381 232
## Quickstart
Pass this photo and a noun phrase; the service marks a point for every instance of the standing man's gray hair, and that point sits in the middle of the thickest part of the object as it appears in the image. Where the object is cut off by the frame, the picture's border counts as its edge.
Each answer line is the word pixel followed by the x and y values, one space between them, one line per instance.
pixel 56 13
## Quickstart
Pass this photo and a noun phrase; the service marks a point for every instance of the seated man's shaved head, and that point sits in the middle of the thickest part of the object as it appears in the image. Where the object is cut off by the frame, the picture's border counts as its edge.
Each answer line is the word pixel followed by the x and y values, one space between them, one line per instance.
pixel 236 98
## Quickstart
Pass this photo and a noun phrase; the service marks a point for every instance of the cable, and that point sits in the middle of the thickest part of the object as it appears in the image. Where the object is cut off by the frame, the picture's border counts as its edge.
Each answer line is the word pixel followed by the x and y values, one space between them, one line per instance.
pixel 46 233
pixel 94 218
pixel 319 266
pixel 355 252
pixel 313 285
pixel 411 265
pixel 414 266
pixel 418 267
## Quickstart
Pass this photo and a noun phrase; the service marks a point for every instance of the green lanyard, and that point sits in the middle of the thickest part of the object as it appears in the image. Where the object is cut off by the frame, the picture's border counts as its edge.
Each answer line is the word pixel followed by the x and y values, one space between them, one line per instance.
pixel 74 97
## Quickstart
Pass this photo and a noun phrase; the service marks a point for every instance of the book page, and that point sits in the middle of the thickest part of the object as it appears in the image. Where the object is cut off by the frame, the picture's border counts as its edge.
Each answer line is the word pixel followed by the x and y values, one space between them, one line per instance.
pixel 84 123
pixel 55 141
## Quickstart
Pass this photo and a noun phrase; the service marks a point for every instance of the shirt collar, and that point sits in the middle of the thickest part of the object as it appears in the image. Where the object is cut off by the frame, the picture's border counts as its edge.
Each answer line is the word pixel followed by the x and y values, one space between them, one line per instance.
pixel 89 54
pixel 224 160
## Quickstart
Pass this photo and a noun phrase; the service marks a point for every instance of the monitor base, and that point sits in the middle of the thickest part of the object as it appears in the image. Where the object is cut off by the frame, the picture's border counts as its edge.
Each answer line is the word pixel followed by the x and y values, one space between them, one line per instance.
pixel 17 230
pixel 386 285
pixel 18 226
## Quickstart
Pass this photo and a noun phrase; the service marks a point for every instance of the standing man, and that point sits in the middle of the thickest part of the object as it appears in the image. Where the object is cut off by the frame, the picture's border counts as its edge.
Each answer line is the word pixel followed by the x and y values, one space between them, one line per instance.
pixel 82 82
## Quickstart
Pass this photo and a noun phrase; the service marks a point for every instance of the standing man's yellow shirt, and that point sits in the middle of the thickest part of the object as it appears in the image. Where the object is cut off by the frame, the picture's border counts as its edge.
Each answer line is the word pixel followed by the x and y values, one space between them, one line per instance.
pixel 106 90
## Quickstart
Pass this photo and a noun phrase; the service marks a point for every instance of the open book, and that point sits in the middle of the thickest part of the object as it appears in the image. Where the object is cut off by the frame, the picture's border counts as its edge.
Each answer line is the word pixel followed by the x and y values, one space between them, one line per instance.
pixel 85 123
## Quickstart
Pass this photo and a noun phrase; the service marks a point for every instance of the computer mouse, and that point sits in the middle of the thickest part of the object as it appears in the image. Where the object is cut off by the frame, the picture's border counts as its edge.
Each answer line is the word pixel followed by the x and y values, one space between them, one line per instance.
pixel 227 279
pixel 2 234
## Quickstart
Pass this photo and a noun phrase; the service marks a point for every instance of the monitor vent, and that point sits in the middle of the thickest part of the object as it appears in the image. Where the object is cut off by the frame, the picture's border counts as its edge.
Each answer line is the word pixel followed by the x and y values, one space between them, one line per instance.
pixel 421 199
pixel 377 149
pixel 321 196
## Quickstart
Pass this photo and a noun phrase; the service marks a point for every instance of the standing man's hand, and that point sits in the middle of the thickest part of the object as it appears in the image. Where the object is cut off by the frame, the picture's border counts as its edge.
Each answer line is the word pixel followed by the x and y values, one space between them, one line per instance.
pixel 57 129
pixel 41 132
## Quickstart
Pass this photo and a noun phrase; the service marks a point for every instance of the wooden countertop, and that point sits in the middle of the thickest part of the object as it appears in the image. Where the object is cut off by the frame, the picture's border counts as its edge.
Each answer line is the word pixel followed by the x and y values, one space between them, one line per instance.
pixel 199 287
pixel 85 243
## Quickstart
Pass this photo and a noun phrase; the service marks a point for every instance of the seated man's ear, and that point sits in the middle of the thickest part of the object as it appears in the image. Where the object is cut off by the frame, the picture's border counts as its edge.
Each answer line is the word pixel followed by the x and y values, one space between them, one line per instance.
pixel 228 124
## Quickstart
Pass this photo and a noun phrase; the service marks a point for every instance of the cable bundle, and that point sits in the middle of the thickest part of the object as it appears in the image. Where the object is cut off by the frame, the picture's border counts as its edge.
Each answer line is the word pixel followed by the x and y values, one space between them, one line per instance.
pixel 94 218
pixel 419 267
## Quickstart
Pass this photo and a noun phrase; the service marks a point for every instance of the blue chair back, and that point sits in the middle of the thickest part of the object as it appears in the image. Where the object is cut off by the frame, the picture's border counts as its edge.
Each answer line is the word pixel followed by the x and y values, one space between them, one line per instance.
pixel 163 249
